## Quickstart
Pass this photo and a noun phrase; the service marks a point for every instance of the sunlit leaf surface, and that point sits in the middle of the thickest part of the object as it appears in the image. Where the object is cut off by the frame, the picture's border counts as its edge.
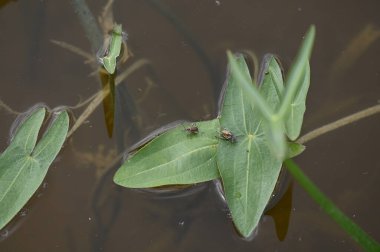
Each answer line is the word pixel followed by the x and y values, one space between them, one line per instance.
pixel 23 165
pixel 174 157
pixel 271 81
pixel 248 168
pixel 246 143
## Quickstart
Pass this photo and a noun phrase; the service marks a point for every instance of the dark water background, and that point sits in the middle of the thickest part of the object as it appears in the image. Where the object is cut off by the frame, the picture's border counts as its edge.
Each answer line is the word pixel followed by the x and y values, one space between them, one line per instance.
pixel 62 216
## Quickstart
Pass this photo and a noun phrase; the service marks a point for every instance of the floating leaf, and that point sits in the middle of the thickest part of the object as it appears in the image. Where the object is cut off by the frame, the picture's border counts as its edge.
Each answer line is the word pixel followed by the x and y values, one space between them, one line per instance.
pixel 23 165
pixel 248 152
pixel 174 157
pixel 248 168
pixel 264 100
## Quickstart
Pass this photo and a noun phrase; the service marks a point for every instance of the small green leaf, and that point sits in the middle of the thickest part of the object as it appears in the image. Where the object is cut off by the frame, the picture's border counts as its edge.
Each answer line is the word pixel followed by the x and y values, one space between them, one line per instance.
pixel 248 167
pixel 111 50
pixel 23 166
pixel 294 149
pixel 174 157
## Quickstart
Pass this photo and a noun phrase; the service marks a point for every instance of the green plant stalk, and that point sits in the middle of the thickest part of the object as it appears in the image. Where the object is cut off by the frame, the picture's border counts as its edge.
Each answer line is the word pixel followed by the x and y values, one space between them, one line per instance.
pixel 294 80
pixel 89 24
pixel 250 88
pixel 356 233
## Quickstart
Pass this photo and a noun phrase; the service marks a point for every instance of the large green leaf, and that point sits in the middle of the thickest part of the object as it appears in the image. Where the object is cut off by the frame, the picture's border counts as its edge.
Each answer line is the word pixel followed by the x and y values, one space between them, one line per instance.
pixel 174 157
pixel 248 168
pixel 23 165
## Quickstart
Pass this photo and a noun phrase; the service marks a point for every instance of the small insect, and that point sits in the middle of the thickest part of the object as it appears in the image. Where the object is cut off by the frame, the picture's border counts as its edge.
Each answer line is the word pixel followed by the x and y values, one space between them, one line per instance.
pixel 227 135
pixel 192 129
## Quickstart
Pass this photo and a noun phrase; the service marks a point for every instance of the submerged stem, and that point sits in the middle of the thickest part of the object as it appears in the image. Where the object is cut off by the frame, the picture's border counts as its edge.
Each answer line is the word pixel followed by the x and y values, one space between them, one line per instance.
pixel 356 233
pixel 339 123
pixel 8 109
pixel 89 24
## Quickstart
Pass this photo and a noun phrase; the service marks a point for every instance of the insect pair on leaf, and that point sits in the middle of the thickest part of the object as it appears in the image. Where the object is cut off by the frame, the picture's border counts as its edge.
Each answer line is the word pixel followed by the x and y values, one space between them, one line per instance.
pixel 224 134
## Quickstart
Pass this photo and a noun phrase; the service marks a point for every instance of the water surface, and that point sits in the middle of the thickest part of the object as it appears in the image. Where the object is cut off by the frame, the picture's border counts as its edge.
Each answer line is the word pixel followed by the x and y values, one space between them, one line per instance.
pixel 76 210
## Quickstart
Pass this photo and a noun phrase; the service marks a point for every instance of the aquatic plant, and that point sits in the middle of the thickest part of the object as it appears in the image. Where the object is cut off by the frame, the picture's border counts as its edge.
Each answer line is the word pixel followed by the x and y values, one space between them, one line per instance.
pixel 255 132
pixel 244 146
pixel 24 164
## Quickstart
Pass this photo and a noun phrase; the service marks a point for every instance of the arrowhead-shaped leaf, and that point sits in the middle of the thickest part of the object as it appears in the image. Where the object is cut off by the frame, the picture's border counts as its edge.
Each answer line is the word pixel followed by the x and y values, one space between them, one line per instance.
pixel 23 165
pixel 174 157
pixel 248 168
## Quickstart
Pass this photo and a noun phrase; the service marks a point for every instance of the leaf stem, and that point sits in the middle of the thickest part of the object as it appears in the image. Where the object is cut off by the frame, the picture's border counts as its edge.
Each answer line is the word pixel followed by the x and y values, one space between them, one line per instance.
pixel 361 237
pixel 339 123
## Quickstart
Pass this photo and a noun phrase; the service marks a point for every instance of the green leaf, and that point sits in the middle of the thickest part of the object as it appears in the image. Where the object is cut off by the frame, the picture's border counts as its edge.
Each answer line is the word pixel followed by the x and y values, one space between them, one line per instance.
pixel 265 100
pixel 245 83
pixel 23 166
pixel 296 74
pixel 26 134
pixel 275 138
pixel 271 81
pixel 294 149
pixel 111 50
pixel 174 157
pixel 298 107
pixel 248 168
pixel 272 89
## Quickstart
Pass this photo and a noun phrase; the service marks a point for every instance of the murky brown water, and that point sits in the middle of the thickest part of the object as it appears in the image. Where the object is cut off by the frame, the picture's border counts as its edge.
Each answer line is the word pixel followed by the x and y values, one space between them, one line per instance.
pixel 77 211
